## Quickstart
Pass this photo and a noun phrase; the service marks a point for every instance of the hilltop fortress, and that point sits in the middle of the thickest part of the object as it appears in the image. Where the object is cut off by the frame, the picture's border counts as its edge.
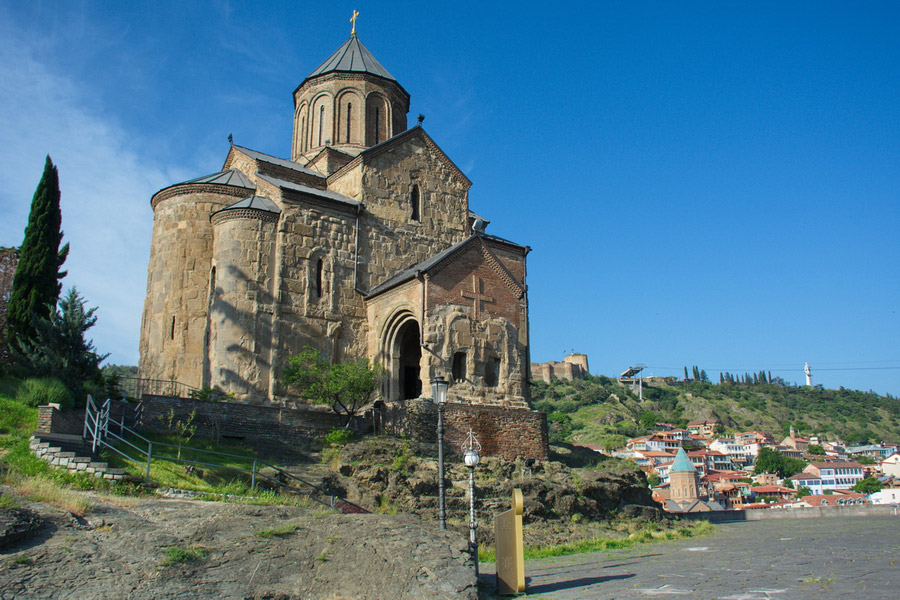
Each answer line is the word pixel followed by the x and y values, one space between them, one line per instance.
pixel 361 245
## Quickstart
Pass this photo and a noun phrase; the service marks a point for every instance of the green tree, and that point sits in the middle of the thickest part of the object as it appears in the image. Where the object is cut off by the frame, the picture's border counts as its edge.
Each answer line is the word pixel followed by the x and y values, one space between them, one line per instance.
pixel 648 419
pixel 59 348
pixel 869 485
pixel 865 460
pixel 346 387
pixel 772 461
pixel 36 284
pixel 815 449
pixel 803 491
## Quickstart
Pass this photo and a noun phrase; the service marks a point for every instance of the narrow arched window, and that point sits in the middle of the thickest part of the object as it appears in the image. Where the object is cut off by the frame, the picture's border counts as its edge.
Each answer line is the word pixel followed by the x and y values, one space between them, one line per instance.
pixel 303 134
pixel 320 267
pixel 321 122
pixel 377 120
pixel 172 331
pixel 414 203
pixel 349 118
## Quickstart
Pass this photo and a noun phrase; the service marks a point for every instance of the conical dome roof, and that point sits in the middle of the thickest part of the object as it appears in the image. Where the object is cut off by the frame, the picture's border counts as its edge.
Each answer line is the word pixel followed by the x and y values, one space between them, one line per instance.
pixel 682 463
pixel 352 57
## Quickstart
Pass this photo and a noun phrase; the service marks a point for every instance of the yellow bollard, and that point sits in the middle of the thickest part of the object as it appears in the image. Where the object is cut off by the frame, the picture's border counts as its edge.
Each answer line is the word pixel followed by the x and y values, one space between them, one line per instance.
pixel 510 548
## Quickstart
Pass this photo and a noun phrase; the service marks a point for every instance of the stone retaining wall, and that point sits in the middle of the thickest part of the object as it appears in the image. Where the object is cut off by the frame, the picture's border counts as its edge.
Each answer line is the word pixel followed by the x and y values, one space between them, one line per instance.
pixel 235 420
pixel 815 512
pixel 53 420
pixel 503 432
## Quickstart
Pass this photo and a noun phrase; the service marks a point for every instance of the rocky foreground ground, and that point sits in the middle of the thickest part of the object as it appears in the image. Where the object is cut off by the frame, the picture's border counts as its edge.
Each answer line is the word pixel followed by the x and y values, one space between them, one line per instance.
pixel 120 550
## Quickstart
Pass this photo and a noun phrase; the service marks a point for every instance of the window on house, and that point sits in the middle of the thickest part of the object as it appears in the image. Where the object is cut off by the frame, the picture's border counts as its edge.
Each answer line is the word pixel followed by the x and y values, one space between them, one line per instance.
pixel 320 267
pixel 459 367
pixel 491 372
pixel 414 203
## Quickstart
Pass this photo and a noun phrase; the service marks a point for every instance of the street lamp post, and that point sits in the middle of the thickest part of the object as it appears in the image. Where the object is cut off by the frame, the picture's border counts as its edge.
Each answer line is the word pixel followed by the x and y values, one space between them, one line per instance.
pixel 439 387
pixel 471 458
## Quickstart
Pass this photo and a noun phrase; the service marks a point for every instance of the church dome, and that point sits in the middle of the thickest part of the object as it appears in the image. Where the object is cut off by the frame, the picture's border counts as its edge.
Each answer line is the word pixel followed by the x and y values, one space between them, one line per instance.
pixel 352 57
pixel 347 104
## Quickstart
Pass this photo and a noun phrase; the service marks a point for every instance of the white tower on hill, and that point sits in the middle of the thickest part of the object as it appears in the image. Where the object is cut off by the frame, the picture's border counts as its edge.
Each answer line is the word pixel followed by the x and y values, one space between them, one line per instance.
pixel 808 375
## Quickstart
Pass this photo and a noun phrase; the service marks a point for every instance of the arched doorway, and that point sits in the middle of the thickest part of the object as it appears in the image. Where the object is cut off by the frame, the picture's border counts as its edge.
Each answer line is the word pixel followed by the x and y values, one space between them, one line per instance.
pixel 410 356
pixel 403 353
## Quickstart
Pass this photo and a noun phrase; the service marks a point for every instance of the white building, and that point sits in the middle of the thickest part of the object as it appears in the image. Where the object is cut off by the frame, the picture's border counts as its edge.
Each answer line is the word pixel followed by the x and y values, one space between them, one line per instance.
pixel 822 476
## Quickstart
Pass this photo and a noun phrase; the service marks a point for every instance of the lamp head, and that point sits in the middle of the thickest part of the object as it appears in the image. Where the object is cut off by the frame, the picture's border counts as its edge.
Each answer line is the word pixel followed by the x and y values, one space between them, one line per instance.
pixel 471 458
pixel 439 387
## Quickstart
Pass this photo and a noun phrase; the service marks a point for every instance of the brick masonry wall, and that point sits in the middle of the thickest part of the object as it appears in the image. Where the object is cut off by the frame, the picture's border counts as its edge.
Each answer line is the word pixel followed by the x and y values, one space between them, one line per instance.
pixel 508 433
pixel 52 420
pixel 231 419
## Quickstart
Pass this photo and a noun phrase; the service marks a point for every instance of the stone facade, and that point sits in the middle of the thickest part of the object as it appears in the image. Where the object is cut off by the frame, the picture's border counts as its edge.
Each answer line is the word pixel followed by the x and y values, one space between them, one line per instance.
pixel 362 246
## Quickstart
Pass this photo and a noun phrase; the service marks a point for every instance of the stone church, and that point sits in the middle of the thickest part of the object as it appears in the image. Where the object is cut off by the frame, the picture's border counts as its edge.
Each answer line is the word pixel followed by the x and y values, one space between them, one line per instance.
pixel 362 244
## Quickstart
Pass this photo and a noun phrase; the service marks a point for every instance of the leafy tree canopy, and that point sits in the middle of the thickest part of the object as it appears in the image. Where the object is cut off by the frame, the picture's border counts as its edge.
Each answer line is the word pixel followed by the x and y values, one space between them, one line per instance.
pixel 869 485
pixel 772 461
pixel 346 387
pixel 816 450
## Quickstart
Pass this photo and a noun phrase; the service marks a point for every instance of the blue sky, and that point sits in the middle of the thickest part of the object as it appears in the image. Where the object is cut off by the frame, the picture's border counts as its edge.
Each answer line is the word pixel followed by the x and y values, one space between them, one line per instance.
pixel 701 183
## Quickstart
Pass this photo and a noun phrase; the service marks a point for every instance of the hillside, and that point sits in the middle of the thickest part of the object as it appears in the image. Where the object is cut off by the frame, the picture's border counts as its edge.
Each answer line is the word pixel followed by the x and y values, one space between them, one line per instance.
pixel 600 410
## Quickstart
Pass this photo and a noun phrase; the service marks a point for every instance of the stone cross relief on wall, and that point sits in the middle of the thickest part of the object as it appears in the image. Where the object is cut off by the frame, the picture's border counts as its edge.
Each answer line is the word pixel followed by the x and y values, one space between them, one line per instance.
pixel 477 295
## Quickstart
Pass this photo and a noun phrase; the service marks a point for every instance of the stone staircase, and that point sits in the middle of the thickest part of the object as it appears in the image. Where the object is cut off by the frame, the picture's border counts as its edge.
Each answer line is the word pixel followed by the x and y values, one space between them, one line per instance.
pixel 71 452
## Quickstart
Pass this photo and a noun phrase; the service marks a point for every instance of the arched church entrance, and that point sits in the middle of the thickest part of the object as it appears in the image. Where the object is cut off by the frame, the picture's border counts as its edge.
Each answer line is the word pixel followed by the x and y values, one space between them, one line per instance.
pixel 401 347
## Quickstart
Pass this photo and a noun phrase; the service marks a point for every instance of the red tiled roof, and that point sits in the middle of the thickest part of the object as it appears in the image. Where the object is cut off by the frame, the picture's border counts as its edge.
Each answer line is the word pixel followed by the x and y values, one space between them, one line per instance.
pixel 771 489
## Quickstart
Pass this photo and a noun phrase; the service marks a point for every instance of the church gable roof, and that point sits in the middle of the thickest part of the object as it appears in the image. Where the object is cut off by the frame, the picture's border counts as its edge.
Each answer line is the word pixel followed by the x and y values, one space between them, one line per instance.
pixel 414 132
pixel 282 167
pixel 435 263
pixel 309 190
pixel 352 57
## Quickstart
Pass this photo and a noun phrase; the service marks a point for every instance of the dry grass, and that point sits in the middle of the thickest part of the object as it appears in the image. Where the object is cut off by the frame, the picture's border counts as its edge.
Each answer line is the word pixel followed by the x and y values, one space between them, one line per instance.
pixel 44 489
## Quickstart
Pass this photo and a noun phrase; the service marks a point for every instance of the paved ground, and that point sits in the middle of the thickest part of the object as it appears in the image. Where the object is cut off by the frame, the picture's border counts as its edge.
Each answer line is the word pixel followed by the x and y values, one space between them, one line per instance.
pixel 802 559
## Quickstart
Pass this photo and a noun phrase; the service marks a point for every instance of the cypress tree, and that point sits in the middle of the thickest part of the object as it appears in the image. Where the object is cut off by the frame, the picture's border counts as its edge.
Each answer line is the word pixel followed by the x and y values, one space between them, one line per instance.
pixel 36 284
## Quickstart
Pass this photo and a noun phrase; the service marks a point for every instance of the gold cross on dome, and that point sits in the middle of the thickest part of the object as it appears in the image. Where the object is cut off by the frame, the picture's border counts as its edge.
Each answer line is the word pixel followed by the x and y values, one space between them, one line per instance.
pixel 353 20
pixel 477 295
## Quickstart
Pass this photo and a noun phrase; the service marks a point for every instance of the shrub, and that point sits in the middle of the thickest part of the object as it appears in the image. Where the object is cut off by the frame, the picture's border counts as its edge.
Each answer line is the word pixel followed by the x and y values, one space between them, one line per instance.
pixel 46 390
pixel 339 436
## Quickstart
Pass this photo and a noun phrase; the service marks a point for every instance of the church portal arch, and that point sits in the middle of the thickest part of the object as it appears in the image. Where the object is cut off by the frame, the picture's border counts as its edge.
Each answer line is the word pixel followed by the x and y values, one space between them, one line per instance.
pixel 402 356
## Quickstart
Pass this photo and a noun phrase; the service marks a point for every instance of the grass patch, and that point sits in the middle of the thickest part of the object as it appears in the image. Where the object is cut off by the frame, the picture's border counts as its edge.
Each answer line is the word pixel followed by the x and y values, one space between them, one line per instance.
pixel 278 531
pixel 601 544
pixel 45 489
pixel 20 560
pixel 177 554
pixel 7 502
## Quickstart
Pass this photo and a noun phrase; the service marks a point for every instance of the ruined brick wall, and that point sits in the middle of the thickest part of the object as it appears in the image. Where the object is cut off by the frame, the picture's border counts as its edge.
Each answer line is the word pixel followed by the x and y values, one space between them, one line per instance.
pixel 503 432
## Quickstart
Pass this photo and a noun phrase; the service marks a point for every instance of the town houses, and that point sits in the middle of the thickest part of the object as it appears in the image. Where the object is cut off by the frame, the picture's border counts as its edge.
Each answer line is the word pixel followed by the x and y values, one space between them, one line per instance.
pixel 725 474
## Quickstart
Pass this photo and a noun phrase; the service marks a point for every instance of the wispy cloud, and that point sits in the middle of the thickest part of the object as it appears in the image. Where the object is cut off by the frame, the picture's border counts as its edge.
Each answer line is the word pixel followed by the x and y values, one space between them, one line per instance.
pixel 105 183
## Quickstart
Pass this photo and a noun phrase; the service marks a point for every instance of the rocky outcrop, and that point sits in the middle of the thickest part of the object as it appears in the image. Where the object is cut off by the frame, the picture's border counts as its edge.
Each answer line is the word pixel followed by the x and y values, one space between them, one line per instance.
pixel 396 475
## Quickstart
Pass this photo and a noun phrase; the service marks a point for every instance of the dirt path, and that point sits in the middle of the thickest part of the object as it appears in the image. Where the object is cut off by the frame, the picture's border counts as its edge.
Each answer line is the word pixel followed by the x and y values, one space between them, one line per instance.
pixel 121 555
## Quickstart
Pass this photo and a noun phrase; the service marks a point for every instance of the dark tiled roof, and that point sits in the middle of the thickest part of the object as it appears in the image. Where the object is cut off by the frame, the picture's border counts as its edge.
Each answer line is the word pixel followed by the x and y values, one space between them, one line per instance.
pixel 423 266
pixel 231 177
pixel 305 189
pixel 281 162
pixel 256 202
pixel 352 57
